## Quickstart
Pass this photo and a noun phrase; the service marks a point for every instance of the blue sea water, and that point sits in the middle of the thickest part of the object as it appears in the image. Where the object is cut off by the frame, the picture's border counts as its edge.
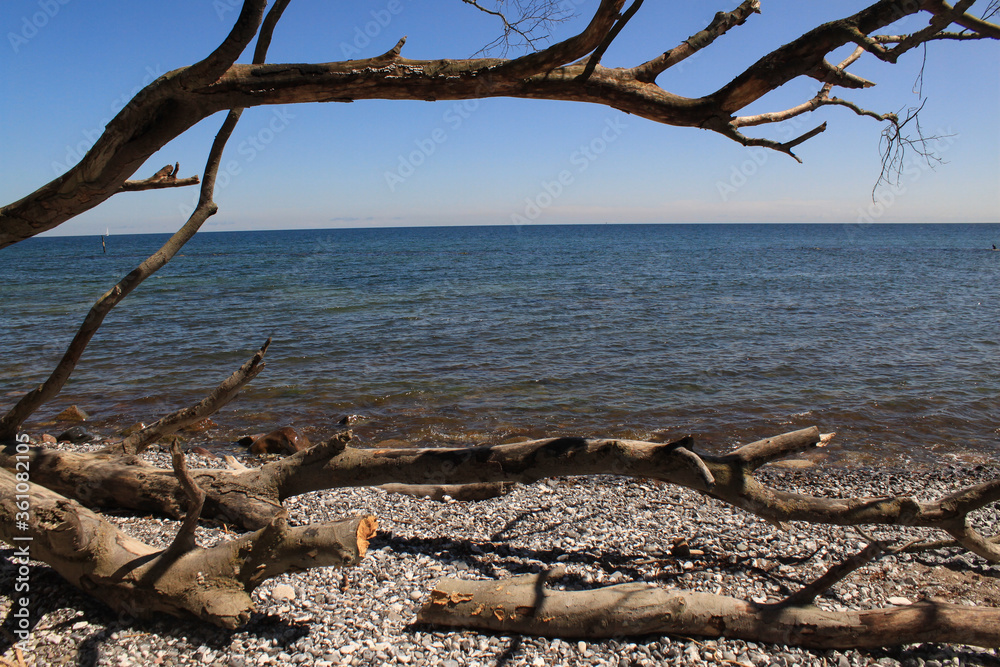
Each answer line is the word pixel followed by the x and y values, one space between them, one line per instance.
pixel 886 334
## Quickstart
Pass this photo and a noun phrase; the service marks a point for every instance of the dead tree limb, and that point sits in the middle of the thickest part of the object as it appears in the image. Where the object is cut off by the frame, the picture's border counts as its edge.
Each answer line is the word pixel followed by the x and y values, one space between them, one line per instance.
pixel 179 99
pixel 134 578
pixel 524 605
pixel 209 405
pixel 250 498
pixel 164 178
pixel 837 573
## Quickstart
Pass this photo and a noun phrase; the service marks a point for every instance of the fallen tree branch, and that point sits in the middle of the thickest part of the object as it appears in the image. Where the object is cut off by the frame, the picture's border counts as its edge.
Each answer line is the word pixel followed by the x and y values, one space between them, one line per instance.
pixel 209 405
pixel 523 605
pixel 250 498
pixel 837 573
pixel 933 545
pixel 132 577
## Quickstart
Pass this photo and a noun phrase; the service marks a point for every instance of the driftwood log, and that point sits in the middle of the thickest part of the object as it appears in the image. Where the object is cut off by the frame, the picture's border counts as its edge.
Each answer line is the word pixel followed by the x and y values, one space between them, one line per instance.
pixel 252 497
pixel 214 584
pixel 524 605
pixel 131 577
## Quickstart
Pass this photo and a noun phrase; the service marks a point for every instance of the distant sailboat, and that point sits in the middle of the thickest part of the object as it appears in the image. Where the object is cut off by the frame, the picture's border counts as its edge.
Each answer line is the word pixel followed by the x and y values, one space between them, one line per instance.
pixel 104 246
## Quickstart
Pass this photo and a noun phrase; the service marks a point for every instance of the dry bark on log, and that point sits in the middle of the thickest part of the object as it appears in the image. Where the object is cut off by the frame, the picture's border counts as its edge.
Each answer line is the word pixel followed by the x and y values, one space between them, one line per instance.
pixel 250 498
pixel 132 577
pixel 524 605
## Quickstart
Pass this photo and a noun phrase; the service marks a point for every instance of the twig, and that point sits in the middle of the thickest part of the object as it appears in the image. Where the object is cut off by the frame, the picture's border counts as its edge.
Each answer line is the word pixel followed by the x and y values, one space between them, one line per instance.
pixel 835 574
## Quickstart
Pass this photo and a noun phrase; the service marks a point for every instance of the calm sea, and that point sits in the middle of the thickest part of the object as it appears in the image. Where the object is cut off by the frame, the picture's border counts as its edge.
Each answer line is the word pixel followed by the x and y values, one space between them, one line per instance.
pixel 886 334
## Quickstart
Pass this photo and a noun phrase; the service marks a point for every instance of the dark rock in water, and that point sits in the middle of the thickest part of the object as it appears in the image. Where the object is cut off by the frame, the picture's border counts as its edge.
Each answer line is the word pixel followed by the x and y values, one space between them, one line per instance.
pixel 247 440
pixel 75 435
pixel 283 441
pixel 72 414
pixel 350 420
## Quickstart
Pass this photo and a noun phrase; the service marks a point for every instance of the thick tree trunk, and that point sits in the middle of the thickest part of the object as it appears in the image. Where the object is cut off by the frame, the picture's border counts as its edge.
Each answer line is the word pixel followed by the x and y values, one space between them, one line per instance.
pixel 523 605
pixel 132 577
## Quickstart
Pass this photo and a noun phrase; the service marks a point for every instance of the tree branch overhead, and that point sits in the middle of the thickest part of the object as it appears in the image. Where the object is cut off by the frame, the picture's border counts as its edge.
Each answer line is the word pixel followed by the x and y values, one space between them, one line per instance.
pixel 559 72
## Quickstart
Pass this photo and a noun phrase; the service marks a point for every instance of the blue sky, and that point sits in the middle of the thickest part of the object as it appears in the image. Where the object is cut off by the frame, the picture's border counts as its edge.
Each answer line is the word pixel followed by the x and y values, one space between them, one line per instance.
pixel 379 163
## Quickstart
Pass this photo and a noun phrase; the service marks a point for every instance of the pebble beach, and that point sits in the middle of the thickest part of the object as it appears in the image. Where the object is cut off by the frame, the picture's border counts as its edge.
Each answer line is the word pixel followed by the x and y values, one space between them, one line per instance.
pixel 602 530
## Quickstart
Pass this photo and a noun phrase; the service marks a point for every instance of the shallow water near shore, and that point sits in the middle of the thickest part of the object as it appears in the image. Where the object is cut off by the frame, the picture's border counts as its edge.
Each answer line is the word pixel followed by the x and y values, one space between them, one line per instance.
pixel 886 334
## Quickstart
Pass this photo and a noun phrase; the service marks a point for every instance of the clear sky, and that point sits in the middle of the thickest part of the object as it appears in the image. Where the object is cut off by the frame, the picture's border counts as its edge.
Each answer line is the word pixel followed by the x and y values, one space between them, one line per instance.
pixel 68 66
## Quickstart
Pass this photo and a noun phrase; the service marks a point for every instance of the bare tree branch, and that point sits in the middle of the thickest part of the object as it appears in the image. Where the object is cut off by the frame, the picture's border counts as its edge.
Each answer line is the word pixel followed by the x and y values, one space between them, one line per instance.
pixel 837 573
pixel 566 51
pixel 217 62
pixel 595 57
pixel 532 24
pixel 209 405
pixel 214 584
pixel 720 25
pixel 206 207
pixel 554 73
pixel 164 178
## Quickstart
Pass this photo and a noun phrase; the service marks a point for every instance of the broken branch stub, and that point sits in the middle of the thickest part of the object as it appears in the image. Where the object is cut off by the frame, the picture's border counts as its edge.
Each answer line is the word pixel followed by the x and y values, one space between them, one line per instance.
pixel 131 577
